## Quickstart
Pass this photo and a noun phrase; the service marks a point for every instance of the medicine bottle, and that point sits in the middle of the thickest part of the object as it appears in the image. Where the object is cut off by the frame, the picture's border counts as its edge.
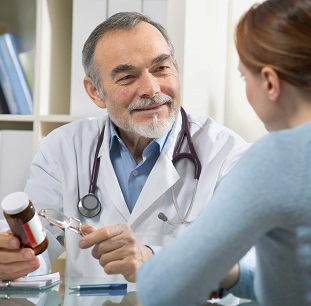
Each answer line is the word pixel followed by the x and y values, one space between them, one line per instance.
pixel 24 222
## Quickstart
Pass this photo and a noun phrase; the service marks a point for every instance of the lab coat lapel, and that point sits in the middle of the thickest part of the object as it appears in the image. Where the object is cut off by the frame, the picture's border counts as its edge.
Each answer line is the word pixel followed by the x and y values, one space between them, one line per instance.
pixel 112 191
pixel 162 177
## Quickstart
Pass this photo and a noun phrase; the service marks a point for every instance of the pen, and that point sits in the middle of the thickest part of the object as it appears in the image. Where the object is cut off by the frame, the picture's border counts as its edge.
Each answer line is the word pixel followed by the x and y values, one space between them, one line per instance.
pixel 98 292
pixel 100 287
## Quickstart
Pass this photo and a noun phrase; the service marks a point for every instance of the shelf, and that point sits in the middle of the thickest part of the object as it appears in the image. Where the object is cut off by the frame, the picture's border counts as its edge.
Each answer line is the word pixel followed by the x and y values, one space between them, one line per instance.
pixel 41 118
pixel 17 118
pixel 46 27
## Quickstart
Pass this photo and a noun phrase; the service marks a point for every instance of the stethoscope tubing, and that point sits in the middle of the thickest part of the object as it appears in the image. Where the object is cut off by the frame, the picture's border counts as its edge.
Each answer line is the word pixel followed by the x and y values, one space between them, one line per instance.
pixel 192 157
pixel 184 220
pixel 96 162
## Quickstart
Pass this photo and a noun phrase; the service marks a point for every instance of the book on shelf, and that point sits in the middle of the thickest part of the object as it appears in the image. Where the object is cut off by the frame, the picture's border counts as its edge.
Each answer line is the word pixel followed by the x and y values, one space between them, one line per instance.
pixel 13 79
pixel 3 105
pixel 27 60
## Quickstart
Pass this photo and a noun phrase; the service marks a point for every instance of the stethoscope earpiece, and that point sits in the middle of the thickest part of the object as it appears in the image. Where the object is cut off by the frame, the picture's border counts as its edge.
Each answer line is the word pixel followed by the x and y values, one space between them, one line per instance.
pixel 89 206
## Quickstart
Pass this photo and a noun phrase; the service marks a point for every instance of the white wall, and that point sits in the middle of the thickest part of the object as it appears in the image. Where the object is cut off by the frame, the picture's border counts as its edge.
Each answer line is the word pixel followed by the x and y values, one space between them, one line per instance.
pixel 239 115
pixel 203 54
pixel 203 35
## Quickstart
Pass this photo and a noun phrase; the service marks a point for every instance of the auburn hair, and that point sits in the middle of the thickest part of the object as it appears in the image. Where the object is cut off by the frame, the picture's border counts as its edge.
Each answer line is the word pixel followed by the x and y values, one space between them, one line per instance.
pixel 277 33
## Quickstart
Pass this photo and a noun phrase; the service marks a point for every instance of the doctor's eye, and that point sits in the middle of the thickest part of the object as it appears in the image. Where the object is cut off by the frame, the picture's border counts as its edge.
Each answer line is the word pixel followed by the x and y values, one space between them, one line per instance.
pixel 127 79
pixel 162 68
pixel 242 76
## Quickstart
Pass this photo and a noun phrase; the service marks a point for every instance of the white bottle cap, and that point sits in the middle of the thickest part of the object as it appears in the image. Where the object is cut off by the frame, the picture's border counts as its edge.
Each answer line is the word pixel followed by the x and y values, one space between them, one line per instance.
pixel 15 202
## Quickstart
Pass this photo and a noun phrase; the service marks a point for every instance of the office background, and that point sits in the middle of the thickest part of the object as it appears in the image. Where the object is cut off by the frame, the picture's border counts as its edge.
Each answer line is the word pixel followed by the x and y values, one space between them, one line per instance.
pixel 201 30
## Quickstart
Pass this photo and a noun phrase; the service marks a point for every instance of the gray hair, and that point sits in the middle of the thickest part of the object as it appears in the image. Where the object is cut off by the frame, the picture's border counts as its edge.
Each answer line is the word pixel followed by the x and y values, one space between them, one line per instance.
pixel 122 20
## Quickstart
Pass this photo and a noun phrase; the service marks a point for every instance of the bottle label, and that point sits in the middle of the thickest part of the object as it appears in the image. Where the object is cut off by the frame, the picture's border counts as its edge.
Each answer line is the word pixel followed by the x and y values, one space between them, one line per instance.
pixel 34 231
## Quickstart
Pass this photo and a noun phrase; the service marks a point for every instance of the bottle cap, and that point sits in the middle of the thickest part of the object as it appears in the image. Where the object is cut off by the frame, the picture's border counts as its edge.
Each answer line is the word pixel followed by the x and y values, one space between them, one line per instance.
pixel 15 202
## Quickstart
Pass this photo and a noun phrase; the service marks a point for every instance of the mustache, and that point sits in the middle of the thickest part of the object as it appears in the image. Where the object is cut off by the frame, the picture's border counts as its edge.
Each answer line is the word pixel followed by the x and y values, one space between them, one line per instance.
pixel 145 102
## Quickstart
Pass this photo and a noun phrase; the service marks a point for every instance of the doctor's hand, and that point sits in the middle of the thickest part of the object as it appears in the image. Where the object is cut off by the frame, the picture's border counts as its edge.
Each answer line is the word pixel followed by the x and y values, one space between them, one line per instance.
pixel 116 248
pixel 14 261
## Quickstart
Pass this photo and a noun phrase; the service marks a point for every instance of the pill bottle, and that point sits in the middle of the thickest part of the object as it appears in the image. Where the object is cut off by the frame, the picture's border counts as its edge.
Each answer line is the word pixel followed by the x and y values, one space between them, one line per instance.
pixel 24 222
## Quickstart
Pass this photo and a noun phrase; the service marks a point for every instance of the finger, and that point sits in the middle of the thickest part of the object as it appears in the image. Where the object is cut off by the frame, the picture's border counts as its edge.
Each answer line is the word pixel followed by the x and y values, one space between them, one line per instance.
pixel 106 258
pixel 87 229
pixel 121 242
pixel 8 241
pixel 100 234
pixel 9 256
pixel 19 273
pixel 122 255
pixel 126 267
pixel 94 237
pixel 15 270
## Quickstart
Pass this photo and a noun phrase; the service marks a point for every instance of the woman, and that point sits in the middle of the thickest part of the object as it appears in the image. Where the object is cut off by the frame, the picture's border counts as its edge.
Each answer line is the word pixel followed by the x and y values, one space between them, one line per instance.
pixel 266 199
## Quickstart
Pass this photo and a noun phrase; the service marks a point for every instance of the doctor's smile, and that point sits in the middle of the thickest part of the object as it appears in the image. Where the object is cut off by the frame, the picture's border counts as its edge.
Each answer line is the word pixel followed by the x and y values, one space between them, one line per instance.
pixel 142 115
pixel 152 108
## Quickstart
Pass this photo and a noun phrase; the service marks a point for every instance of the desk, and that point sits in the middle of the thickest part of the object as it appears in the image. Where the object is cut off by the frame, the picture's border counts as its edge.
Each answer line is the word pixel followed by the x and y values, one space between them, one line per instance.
pixel 62 296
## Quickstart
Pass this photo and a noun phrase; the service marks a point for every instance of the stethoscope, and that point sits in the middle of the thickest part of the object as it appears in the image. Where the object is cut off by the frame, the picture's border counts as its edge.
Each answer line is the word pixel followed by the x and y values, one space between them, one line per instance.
pixel 89 206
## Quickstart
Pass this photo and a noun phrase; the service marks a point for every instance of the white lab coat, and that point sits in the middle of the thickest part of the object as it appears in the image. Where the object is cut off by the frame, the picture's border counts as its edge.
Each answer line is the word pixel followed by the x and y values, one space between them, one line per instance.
pixel 61 170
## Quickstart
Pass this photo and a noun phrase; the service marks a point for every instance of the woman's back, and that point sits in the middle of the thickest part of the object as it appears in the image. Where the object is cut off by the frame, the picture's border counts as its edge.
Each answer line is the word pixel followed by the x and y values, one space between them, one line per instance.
pixel 284 252
pixel 268 206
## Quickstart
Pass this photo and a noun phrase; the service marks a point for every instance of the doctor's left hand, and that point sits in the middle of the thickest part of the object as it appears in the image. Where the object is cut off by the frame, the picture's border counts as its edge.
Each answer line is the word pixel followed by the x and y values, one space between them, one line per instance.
pixel 116 248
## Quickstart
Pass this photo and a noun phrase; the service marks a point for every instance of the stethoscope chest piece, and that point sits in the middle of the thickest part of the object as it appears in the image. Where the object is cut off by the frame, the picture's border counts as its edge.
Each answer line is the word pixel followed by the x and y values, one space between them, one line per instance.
pixel 89 206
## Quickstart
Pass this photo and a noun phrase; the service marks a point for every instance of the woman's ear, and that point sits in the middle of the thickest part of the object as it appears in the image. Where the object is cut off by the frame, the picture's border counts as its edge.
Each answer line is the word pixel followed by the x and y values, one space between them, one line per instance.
pixel 93 92
pixel 271 83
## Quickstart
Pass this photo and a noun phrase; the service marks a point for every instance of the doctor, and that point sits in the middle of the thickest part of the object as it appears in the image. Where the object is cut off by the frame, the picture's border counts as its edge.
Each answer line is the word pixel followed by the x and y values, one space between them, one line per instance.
pixel 131 72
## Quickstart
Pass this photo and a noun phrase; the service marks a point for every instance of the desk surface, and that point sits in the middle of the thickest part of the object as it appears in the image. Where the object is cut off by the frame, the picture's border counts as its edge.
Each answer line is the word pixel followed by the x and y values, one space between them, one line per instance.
pixel 62 296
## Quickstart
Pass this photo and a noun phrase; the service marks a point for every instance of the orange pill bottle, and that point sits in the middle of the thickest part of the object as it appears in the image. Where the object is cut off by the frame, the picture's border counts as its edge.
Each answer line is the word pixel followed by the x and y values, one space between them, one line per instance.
pixel 24 222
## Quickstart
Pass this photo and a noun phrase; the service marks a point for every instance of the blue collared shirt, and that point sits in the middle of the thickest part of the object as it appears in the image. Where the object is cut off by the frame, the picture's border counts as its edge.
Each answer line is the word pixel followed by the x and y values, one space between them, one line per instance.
pixel 131 176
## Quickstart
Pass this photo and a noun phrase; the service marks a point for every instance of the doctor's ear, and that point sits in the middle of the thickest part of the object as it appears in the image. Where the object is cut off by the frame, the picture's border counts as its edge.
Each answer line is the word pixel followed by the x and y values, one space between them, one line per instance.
pixel 272 83
pixel 93 93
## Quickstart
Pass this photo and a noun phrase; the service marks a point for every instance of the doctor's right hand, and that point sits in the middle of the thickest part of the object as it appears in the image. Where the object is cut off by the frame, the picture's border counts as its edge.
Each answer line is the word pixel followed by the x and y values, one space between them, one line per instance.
pixel 14 261
pixel 116 248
